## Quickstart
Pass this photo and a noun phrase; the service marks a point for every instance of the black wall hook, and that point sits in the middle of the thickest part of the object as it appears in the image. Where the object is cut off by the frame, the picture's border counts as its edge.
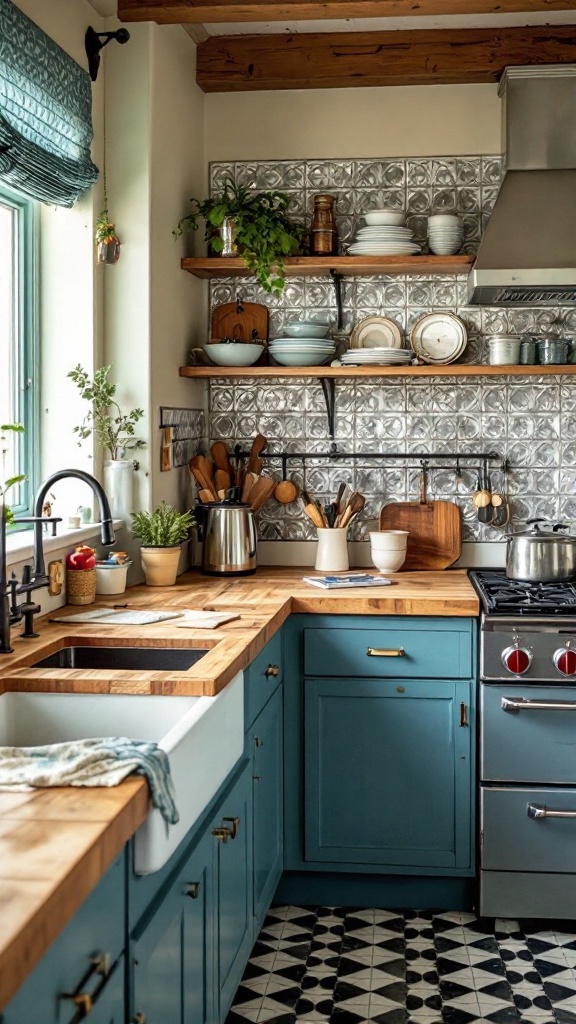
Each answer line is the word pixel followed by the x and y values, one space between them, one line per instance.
pixel 96 41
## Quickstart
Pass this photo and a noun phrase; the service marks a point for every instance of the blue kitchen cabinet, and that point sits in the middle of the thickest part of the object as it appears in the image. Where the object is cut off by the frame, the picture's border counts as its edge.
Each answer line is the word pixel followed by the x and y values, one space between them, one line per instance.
pixel 379 757
pixel 265 739
pixel 84 966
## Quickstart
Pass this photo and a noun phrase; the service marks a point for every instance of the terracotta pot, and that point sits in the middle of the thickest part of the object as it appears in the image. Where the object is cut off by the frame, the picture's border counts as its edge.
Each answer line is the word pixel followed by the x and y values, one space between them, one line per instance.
pixel 160 565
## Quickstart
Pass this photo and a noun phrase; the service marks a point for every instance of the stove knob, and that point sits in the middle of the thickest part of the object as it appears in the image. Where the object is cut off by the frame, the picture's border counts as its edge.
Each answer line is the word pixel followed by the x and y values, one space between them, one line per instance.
pixel 516 659
pixel 565 661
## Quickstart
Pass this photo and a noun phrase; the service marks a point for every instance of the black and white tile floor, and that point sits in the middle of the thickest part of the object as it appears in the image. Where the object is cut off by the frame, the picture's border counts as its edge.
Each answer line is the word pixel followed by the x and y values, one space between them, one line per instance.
pixel 314 965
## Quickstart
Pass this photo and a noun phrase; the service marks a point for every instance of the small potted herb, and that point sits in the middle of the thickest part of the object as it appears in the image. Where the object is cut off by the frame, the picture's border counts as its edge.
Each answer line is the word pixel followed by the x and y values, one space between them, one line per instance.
pixel 255 225
pixel 161 533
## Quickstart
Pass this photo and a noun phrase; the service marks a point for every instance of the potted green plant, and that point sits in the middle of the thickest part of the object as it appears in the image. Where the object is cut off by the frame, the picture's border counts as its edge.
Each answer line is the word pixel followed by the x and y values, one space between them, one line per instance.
pixel 114 431
pixel 6 483
pixel 255 225
pixel 161 533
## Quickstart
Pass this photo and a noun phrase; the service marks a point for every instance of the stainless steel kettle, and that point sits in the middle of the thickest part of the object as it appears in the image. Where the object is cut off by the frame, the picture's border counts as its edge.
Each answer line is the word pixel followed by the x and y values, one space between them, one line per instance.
pixel 228 535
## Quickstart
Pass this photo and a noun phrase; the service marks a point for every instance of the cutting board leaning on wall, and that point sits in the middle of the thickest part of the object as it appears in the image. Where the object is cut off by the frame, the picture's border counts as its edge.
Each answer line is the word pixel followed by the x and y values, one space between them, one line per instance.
pixel 434 530
pixel 242 321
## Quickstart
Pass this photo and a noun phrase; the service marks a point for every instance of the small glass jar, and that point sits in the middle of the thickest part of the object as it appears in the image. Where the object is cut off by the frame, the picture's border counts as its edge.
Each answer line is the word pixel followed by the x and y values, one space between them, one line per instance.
pixel 504 349
pixel 528 352
pixel 552 349
pixel 323 234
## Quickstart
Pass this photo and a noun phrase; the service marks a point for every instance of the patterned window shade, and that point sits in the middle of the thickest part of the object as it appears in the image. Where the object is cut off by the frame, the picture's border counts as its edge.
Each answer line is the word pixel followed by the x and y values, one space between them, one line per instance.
pixel 45 114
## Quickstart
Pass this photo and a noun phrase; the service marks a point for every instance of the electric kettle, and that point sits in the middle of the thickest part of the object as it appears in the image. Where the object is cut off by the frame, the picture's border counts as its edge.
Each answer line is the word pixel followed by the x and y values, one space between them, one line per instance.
pixel 228 535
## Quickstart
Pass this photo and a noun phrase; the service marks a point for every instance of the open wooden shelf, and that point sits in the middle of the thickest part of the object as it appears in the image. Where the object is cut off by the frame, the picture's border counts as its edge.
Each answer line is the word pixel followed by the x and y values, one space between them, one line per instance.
pixel 452 370
pixel 319 266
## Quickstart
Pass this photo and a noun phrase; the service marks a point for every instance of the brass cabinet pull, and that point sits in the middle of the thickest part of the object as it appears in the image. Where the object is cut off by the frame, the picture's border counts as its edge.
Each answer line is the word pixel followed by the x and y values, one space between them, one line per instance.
pixel 85 1001
pixel 139 1018
pixel 193 890
pixel 258 742
pixel 223 834
pixel 539 811
pixel 235 825
pixel 385 652
pixel 272 670
pixel 256 778
pixel 463 715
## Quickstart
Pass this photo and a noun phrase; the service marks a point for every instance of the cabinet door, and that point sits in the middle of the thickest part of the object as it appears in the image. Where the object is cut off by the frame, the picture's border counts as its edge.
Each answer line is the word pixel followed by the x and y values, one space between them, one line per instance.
pixel 267 780
pixel 232 835
pixel 172 956
pixel 387 777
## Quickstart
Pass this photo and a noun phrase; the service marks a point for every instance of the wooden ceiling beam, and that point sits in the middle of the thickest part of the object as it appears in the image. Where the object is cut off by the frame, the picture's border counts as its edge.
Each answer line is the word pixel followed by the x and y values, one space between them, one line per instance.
pixel 212 11
pixel 342 60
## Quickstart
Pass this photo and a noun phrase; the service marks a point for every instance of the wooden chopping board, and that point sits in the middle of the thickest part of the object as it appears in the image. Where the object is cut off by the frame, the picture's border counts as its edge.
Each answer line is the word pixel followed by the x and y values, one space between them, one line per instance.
pixel 434 530
pixel 238 320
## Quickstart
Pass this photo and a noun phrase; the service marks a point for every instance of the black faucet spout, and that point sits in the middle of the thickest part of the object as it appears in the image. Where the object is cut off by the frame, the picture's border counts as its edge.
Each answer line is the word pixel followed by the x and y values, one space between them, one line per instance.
pixel 106 527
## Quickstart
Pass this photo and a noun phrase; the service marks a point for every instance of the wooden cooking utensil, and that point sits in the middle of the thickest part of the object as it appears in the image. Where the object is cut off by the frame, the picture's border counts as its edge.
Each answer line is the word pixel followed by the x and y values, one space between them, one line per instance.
pixel 250 480
pixel 222 480
pixel 261 491
pixel 255 463
pixel 313 514
pixel 434 530
pixel 197 467
pixel 221 457
pixel 286 492
pixel 354 506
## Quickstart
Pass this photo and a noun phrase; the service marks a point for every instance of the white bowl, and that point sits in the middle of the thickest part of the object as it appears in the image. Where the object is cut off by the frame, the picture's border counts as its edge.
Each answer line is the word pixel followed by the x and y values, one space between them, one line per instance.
pixel 291 358
pixel 305 329
pixel 234 354
pixel 385 216
pixel 389 540
pixel 387 561
pixel 444 219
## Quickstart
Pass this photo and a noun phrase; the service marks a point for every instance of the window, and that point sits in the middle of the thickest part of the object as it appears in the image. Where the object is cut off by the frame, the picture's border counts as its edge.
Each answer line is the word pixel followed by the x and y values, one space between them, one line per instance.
pixel 19 359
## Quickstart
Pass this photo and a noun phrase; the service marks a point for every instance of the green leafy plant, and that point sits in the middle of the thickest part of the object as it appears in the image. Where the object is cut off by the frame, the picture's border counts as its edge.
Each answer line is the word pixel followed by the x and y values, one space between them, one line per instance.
pixel 7 483
pixel 264 232
pixel 165 527
pixel 113 429
pixel 105 228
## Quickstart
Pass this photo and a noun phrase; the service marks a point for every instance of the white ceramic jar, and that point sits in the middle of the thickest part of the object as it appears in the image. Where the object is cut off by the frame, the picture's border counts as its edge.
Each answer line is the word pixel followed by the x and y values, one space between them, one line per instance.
pixel 503 349
pixel 332 552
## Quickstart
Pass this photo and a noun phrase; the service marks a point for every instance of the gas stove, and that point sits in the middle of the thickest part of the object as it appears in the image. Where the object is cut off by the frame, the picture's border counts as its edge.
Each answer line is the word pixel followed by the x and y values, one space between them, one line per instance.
pixel 528 630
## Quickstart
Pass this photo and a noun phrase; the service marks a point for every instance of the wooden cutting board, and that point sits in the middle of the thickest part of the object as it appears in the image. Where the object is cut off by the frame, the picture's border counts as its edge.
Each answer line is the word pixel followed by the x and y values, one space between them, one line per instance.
pixel 434 530
pixel 238 320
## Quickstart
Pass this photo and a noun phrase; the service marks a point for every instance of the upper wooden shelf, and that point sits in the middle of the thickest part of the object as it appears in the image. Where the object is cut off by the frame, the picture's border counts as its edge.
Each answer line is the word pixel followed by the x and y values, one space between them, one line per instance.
pixel 314 266
pixel 452 370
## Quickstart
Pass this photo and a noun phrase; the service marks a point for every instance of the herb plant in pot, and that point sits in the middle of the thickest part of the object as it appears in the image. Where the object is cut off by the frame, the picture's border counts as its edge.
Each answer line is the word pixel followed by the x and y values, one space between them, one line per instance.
pixel 114 431
pixel 255 225
pixel 161 533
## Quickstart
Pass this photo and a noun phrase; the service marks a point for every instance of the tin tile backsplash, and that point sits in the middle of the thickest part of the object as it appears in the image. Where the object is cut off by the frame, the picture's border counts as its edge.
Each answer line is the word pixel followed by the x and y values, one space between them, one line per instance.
pixel 530 420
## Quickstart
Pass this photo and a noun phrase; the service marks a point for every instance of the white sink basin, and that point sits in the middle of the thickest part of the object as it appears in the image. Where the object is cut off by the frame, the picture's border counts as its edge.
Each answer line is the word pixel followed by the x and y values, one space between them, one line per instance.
pixel 203 737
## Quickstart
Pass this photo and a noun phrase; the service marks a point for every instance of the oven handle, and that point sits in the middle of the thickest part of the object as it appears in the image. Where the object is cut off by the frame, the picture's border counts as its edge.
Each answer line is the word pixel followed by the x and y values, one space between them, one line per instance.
pixel 537 811
pixel 513 705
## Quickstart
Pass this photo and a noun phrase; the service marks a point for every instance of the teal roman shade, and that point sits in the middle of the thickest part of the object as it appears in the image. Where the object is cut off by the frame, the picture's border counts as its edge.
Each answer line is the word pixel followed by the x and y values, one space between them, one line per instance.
pixel 45 114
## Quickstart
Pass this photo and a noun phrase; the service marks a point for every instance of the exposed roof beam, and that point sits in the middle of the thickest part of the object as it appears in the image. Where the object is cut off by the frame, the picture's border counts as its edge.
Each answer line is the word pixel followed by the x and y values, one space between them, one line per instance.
pixel 212 11
pixel 334 60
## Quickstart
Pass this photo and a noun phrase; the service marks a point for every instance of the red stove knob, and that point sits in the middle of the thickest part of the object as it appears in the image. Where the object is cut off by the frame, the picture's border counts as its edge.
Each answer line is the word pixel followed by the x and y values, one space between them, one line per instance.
pixel 517 660
pixel 565 661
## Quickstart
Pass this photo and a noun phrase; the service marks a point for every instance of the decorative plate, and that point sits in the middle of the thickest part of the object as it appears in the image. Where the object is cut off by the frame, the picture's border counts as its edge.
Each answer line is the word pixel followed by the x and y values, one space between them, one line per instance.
pixel 376 332
pixel 438 338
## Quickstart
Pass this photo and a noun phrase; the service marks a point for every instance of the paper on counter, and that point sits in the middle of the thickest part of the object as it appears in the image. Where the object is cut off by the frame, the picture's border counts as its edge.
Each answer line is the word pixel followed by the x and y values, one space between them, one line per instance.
pixel 118 618
pixel 206 620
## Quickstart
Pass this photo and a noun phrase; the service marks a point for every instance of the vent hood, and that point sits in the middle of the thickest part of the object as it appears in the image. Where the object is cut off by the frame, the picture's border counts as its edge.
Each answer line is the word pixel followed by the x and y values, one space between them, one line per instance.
pixel 527 255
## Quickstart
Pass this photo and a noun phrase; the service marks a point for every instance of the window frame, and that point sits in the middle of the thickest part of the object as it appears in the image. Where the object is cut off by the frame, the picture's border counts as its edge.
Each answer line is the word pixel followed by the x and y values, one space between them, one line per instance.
pixel 27 395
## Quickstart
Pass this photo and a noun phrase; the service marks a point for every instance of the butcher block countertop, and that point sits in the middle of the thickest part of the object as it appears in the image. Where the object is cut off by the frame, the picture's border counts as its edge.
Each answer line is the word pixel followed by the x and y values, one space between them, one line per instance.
pixel 56 844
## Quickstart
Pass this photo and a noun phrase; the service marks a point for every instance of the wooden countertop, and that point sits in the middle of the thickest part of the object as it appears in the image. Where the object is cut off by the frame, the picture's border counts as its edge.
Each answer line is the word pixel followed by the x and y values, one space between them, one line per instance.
pixel 55 845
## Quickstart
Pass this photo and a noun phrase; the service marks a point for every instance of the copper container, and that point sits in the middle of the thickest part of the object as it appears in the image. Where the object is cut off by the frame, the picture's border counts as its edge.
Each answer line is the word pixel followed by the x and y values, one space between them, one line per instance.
pixel 323 234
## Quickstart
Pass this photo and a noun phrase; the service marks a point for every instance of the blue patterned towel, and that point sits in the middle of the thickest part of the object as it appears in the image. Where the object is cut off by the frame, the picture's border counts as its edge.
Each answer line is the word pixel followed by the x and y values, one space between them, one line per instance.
pixel 91 762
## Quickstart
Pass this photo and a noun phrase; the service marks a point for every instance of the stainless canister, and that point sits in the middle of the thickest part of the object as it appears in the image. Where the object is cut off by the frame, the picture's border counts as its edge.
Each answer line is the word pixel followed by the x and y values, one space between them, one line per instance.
pixel 228 534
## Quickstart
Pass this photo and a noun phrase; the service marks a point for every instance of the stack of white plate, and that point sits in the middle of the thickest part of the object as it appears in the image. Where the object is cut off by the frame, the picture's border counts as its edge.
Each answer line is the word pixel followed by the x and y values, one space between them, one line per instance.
pixel 301 351
pixel 382 238
pixel 445 233
pixel 377 357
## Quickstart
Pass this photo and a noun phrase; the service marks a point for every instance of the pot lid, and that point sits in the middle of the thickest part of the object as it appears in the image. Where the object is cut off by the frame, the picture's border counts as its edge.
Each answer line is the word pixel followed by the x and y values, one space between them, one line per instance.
pixel 550 535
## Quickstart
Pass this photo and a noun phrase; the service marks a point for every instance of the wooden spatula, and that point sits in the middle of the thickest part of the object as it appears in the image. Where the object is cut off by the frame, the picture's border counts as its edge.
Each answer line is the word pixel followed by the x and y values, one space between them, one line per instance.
pixel 221 456
pixel 261 492
pixel 255 463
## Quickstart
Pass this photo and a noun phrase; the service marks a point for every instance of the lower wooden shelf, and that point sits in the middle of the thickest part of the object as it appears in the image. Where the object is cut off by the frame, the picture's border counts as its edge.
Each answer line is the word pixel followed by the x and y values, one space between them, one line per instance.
pixel 452 370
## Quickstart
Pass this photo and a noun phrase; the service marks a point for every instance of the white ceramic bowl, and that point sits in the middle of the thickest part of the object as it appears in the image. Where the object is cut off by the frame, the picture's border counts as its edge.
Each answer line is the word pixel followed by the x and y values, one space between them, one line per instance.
pixel 385 216
pixel 387 561
pixel 389 540
pixel 234 354
pixel 307 358
pixel 444 219
pixel 305 329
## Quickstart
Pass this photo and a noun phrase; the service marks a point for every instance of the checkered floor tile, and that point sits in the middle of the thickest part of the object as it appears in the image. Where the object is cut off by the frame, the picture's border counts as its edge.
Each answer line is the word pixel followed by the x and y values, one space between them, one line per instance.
pixel 335 965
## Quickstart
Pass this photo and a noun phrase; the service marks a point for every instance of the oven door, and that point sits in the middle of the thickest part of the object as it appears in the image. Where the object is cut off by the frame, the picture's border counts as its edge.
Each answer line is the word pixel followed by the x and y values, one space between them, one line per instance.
pixel 528 734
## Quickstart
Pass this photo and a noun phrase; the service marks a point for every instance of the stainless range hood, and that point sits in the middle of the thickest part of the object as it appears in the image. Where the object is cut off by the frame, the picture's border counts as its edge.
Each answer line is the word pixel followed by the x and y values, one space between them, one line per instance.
pixel 527 255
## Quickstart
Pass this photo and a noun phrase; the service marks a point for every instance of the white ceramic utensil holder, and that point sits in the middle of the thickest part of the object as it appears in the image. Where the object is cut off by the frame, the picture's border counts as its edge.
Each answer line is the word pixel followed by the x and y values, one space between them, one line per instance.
pixel 332 553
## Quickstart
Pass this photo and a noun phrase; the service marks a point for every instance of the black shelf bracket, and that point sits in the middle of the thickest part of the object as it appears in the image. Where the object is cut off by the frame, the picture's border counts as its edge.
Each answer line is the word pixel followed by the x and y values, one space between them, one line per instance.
pixel 337 276
pixel 329 391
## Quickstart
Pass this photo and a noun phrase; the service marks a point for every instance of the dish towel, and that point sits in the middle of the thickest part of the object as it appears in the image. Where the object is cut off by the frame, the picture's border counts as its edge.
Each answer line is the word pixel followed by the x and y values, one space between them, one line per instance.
pixel 91 762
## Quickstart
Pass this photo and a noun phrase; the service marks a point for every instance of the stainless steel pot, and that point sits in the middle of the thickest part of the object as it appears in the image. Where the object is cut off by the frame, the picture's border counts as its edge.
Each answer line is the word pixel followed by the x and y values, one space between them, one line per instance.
pixel 540 556
pixel 228 535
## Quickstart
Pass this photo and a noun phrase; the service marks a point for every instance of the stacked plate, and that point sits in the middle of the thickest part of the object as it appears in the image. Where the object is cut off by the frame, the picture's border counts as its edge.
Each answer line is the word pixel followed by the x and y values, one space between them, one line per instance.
pixel 301 351
pixel 377 357
pixel 445 234
pixel 384 240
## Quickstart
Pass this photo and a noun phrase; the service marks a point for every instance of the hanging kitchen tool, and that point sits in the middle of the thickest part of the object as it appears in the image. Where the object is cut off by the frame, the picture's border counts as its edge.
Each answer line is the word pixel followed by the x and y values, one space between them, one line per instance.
pixel 434 529
pixel 285 491
pixel 255 463
pixel 485 510
pixel 500 503
pixel 261 491
pixel 240 321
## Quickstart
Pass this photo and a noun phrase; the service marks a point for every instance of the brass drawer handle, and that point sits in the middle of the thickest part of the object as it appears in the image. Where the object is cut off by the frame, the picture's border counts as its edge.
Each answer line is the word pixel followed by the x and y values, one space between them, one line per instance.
pixel 385 652
pixel 234 826
pixel 193 890
pixel 539 811
pixel 85 1001
pixel 272 671
pixel 223 834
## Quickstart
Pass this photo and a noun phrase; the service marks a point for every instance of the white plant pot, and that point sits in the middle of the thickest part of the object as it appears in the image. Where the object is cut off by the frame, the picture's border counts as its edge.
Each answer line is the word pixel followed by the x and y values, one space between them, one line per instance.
pixel 160 565
pixel 111 579
pixel 119 487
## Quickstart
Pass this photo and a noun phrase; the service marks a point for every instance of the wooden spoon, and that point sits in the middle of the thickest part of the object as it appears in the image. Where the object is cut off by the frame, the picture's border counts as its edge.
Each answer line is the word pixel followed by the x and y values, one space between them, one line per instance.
pixel 261 491
pixel 250 480
pixel 221 456
pixel 197 468
pixel 255 464
pixel 286 492
pixel 354 506
pixel 222 480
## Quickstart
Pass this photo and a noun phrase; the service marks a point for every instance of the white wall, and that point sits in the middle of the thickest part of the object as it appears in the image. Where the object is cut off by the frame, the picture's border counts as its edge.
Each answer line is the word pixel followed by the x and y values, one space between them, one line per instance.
pixel 346 123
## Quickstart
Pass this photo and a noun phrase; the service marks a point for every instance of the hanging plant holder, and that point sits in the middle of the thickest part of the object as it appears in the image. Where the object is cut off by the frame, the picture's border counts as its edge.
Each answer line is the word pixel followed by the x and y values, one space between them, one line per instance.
pixel 107 241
